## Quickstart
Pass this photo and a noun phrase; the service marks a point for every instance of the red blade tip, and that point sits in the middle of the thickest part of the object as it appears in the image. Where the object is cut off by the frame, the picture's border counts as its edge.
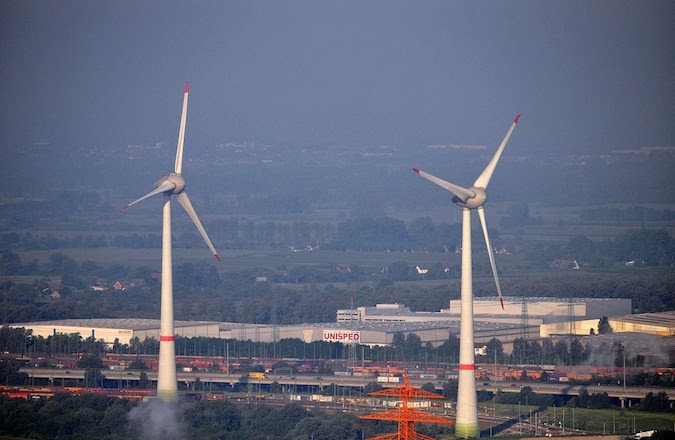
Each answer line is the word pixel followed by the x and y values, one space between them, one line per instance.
pixel 217 257
pixel 125 207
pixel 501 300
pixel 187 87
pixel 515 121
pixel 416 170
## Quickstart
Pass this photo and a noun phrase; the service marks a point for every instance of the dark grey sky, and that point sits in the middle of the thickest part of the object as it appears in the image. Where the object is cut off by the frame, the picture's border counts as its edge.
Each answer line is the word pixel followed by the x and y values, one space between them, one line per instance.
pixel 585 74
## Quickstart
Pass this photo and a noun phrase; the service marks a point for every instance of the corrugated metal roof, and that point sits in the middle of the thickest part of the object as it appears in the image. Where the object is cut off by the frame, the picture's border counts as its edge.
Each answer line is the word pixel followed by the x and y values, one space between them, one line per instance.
pixel 116 323
pixel 662 319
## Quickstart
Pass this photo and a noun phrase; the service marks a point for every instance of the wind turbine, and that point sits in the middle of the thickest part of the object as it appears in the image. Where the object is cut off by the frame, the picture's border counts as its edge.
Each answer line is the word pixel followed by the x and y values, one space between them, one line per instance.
pixel 168 185
pixel 474 197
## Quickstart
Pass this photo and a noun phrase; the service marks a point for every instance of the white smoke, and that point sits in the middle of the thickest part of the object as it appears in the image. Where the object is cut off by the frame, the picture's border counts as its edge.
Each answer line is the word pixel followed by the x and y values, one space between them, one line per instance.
pixel 156 420
pixel 654 348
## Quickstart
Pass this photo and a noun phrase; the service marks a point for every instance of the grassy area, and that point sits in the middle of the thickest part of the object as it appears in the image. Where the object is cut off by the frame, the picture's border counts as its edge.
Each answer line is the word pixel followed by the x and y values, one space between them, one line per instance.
pixel 597 421
pixel 242 259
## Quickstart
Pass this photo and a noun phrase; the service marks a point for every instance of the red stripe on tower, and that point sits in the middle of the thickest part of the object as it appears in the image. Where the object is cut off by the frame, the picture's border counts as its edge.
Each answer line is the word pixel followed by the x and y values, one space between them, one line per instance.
pixel 167 338
pixel 467 366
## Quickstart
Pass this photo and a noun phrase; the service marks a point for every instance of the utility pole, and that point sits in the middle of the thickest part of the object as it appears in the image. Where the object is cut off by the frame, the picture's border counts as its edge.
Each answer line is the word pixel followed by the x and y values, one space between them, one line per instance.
pixel 573 419
pixel 524 324
pixel 571 318
pixel 624 372
pixel 351 348
pixel 227 358
pixel 496 391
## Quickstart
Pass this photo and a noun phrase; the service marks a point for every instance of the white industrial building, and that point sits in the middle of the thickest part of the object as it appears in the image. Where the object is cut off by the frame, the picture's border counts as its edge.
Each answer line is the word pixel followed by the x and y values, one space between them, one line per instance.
pixel 368 333
pixel 548 309
pixel 378 325
pixel 539 311
pixel 661 324
pixel 123 329
pixel 375 333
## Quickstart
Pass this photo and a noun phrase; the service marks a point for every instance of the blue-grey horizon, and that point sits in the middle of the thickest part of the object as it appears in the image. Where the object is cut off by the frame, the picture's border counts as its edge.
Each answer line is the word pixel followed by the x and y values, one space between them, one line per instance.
pixel 586 75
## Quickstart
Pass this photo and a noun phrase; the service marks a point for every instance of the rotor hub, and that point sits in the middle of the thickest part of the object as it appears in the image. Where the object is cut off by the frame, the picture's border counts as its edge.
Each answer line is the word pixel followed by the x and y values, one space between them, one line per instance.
pixel 174 178
pixel 474 202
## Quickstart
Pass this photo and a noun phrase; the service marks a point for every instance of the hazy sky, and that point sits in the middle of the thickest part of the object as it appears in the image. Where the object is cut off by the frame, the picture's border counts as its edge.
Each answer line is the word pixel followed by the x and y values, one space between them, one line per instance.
pixel 585 74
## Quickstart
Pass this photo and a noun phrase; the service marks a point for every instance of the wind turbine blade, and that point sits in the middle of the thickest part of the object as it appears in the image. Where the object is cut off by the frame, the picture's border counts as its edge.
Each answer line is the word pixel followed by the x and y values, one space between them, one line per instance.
pixel 459 191
pixel 484 178
pixel 184 201
pixel 164 187
pixel 483 223
pixel 181 132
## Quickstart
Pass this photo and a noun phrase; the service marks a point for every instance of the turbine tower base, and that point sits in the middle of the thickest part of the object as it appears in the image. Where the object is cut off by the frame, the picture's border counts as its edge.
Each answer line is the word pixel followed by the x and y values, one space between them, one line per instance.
pixel 466 430
pixel 167 396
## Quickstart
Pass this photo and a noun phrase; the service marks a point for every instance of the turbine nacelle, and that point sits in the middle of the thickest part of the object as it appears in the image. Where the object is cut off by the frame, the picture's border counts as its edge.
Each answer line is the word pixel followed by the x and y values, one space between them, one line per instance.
pixel 176 179
pixel 474 202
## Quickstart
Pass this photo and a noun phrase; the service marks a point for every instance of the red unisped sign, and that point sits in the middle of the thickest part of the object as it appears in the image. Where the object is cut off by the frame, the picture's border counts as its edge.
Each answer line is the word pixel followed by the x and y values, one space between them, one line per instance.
pixel 345 336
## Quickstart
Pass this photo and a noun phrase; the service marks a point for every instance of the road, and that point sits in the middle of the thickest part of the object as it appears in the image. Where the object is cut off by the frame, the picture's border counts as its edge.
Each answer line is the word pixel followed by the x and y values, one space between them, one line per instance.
pixel 59 374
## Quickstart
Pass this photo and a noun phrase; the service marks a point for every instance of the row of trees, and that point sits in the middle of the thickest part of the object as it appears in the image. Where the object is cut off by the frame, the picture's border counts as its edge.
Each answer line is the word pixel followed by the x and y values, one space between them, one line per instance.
pixel 201 293
pixel 630 214
pixel 265 303
pixel 108 418
pixel 652 247
pixel 547 352
pixel 651 402
pixel 95 416
pixel 385 233
pixel 408 348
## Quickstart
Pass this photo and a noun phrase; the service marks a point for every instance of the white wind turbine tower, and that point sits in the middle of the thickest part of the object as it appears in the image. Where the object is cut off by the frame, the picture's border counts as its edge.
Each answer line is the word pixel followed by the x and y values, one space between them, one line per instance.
pixel 466 424
pixel 171 184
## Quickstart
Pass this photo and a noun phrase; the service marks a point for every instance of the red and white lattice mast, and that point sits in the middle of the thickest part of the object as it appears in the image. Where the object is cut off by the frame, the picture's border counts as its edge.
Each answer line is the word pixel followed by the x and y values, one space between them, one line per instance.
pixel 406 415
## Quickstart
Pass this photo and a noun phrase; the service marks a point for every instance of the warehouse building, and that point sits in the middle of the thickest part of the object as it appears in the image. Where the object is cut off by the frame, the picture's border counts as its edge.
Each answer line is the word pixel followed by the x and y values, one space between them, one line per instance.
pixel 369 333
pixel 548 309
pixel 661 324
pixel 539 311
pixel 378 325
pixel 122 330
pixel 375 333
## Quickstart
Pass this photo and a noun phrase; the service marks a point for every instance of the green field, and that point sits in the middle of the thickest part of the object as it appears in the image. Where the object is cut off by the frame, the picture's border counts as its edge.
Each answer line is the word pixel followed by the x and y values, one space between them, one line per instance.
pixel 596 421
pixel 242 259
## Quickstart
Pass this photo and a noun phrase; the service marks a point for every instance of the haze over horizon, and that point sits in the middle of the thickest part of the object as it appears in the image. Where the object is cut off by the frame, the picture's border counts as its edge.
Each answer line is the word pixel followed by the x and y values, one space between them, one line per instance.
pixel 588 76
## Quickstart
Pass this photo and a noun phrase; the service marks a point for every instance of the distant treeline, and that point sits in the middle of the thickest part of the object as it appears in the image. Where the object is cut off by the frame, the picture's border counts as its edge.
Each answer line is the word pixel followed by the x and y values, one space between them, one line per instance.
pixel 630 214
pixel 640 247
pixel 368 234
pixel 61 289
pixel 95 416
pixel 403 348
pixel 651 247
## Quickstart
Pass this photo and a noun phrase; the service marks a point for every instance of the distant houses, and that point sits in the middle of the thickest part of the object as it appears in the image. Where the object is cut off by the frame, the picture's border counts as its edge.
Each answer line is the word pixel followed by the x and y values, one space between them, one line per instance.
pixel 120 285
pixel 564 264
